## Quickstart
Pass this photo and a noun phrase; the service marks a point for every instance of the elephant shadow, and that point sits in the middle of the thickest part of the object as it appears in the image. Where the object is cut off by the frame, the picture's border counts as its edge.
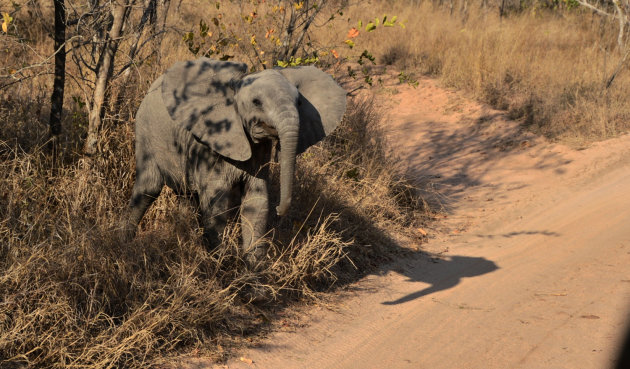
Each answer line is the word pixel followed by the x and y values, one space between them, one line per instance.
pixel 373 250
pixel 443 274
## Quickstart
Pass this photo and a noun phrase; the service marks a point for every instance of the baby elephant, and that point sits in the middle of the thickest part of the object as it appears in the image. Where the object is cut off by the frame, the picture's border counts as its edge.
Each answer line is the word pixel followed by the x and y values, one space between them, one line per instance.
pixel 207 128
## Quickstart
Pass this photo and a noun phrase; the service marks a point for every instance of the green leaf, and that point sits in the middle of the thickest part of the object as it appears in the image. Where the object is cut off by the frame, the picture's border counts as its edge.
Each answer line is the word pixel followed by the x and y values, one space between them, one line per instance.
pixel 370 27
pixel 203 28
pixel 188 37
pixel 366 54
pixel 350 43
pixel 389 23
pixel 351 72
pixel 282 64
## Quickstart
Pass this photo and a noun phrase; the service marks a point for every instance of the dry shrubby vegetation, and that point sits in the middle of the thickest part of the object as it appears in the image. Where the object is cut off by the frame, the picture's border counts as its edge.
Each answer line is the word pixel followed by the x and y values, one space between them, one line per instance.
pixel 545 62
pixel 72 294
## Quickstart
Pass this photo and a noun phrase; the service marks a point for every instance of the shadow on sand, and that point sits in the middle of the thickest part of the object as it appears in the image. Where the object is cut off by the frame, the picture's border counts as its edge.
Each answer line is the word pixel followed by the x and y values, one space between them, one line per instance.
pixel 445 274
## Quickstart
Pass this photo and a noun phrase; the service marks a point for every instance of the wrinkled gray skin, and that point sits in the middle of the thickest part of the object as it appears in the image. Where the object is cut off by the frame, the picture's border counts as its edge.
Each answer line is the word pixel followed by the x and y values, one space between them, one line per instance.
pixel 206 128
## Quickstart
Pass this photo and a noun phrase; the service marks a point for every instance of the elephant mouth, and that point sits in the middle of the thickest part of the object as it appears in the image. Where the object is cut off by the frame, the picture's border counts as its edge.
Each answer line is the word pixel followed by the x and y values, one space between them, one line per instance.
pixel 260 130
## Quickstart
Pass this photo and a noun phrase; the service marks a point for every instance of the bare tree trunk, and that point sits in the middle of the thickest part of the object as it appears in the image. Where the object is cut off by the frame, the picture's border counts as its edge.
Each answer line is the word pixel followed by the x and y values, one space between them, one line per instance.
pixel 56 100
pixel 310 20
pixel 104 73
pixel 287 35
pixel 162 24
pixel 621 17
pixel 148 18
pixel 463 10
pixel 620 66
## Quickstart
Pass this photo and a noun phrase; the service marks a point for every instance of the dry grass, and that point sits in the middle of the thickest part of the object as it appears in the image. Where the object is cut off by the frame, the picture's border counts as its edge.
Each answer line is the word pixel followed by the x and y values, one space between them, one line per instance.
pixel 548 68
pixel 74 296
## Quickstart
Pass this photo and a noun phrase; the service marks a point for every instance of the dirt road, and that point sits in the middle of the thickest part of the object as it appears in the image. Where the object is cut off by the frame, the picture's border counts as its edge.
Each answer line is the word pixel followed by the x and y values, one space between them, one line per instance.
pixel 530 269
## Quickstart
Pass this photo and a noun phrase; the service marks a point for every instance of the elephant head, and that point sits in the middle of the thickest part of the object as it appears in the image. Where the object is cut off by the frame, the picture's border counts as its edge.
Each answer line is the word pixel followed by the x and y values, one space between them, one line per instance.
pixel 229 110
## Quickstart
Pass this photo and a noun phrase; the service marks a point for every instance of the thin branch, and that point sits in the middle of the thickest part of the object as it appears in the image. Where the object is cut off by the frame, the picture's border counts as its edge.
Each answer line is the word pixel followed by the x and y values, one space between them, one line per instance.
pixel 594 8
pixel 304 31
pixel 43 63
pixel 22 79
pixel 132 61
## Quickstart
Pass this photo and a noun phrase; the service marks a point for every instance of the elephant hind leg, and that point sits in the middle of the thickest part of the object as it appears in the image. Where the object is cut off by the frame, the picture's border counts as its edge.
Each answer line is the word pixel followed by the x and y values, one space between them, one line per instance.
pixel 215 211
pixel 149 183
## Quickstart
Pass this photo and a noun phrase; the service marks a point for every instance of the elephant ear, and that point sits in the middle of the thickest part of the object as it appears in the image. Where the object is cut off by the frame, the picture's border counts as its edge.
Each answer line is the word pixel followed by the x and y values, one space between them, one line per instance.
pixel 321 104
pixel 199 95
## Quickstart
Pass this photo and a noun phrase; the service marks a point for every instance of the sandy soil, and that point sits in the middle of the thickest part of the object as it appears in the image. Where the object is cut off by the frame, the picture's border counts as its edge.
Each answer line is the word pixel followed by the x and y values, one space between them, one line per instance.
pixel 529 269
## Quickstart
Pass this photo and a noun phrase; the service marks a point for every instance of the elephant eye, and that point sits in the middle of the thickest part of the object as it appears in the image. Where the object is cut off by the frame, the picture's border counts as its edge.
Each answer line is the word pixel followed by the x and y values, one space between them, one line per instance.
pixel 257 102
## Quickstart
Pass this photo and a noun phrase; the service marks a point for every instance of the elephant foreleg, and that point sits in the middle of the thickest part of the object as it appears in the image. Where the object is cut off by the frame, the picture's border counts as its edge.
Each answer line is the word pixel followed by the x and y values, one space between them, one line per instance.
pixel 214 213
pixel 254 209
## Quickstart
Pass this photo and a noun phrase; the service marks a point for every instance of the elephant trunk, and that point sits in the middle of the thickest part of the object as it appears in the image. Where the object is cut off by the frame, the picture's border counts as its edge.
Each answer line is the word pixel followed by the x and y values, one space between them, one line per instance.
pixel 287 128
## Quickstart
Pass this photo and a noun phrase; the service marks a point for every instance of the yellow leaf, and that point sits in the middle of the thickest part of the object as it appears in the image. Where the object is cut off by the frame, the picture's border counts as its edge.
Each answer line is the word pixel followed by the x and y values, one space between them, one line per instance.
pixel 253 40
pixel 7 18
pixel 246 360
pixel 299 5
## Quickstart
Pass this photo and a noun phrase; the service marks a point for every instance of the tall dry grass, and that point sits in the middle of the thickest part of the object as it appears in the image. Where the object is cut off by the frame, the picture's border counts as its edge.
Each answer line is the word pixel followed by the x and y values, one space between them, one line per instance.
pixel 548 67
pixel 73 295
